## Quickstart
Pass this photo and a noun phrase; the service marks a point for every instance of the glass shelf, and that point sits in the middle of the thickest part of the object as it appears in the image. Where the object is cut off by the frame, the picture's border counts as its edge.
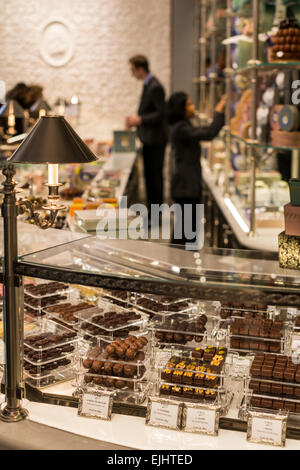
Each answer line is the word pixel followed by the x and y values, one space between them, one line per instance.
pixel 262 145
pixel 268 67
pixel 148 261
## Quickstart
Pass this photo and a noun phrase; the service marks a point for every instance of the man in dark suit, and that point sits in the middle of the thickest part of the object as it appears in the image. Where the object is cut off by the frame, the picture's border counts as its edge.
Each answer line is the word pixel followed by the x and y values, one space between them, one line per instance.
pixel 151 127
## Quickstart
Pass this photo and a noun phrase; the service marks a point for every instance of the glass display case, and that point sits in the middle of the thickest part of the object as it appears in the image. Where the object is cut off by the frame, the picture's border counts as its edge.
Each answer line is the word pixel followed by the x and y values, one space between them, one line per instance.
pixel 220 290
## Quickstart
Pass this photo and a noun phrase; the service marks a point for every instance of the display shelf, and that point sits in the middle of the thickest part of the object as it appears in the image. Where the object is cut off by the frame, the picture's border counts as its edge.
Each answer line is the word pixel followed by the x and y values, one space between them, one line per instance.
pixel 263 145
pixel 269 67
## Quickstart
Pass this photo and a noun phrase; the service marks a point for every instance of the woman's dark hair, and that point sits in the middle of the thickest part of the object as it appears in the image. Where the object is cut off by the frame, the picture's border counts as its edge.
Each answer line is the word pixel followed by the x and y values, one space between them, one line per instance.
pixel 140 61
pixel 176 107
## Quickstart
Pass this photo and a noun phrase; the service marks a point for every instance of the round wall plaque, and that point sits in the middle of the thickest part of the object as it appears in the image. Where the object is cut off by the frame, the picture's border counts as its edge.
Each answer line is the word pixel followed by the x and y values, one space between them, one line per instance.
pixel 57 44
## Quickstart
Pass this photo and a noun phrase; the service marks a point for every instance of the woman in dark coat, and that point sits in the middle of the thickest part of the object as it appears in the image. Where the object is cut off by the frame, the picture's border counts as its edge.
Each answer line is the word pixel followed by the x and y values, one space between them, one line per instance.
pixel 186 151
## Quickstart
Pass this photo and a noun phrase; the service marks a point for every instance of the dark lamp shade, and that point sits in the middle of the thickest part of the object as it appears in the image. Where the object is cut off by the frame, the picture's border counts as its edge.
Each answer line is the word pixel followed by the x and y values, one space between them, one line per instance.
pixel 40 104
pixel 12 107
pixel 52 140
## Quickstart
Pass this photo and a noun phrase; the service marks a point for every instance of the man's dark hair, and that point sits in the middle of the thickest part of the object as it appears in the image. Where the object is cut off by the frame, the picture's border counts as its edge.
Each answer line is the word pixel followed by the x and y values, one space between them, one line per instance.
pixel 176 107
pixel 140 61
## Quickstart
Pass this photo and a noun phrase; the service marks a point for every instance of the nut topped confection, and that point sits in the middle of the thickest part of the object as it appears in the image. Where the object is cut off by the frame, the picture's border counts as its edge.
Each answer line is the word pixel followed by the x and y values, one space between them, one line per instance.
pixel 121 360
pixel 285 44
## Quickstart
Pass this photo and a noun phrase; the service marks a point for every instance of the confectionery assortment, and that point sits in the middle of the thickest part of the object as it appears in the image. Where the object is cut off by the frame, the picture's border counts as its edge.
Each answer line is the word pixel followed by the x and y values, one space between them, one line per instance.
pixel 274 383
pixel 198 377
pixel 49 353
pixel 286 42
pixel 38 296
pixel 178 329
pixel 109 321
pixel 121 365
pixel 65 311
pixel 257 334
pixel 158 304
pixel 120 345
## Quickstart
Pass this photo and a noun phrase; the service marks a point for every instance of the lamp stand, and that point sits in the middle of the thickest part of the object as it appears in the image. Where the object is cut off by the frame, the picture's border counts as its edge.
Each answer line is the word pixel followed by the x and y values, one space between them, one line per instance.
pixel 13 318
pixel 12 284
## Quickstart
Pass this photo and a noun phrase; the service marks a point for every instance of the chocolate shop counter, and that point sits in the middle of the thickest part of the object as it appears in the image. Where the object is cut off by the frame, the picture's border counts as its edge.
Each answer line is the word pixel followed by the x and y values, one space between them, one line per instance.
pixel 144 324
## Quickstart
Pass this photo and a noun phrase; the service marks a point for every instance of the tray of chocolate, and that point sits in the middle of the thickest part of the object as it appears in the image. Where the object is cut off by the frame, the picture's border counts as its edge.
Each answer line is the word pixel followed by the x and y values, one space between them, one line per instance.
pixel 60 370
pixel 117 365
pixel 178 329
pixel 41 290
pixel 285 44
pixel 154 306
pixel 119 297
pixel 64 312
pixel 274 383
pixel 199 377
pixel 48 335
pixel 257 334
pixel 242 309
pixel 110 320
pixel 40 304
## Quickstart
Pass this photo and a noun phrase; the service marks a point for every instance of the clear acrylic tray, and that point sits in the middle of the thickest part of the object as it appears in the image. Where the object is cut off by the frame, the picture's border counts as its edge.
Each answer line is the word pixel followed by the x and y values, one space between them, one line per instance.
pixel 154 308
pixel 113 365
pixel 48 334
pixel 61 373
pixel 39 304
pixel 65 311
pixel 107 318
pixel 41 289
pixel 194 378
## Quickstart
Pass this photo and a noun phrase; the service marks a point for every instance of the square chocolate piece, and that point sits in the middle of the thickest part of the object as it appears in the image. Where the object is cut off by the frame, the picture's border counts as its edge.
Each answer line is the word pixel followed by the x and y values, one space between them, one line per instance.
pixel 267 372
pixel 255 371
pixel 255 401
pixel 297 392
pixel 276 389
pixel 265 388
pixel 255 386
pixel 267 403
pixel 289 406
pixel 288 390
pixel 289 374
pixel 278 404
pixel 278 373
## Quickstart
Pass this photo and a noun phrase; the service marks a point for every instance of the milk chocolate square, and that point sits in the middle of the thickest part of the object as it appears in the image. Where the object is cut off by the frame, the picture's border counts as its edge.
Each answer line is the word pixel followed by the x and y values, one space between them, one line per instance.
pixel 276 389
pixel 255 371
pixel 255 386
pixel 255 401
pixel 288 390
pixel 265 387
pixel 278 373
pixel 267 403
pixel 278 404
pixel 267 371
pixel 289 406
pixel 289 374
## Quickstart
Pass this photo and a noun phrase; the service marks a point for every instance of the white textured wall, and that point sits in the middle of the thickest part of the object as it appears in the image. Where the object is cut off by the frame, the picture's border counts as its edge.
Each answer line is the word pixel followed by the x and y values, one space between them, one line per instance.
pixel 106 34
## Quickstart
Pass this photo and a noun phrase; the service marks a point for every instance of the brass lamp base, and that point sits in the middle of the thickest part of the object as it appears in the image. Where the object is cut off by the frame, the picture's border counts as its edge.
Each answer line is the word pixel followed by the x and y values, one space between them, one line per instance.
pixel 13 415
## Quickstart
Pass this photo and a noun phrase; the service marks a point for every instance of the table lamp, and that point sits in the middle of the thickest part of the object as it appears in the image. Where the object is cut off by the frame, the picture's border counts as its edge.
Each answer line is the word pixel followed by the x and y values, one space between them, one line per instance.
pixel 52 141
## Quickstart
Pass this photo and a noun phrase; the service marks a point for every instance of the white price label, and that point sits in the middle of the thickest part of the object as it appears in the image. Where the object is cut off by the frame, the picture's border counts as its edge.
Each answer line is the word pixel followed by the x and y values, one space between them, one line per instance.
pixel 164 414
pixel 200 420
pixel 267 430
pixel 95 405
